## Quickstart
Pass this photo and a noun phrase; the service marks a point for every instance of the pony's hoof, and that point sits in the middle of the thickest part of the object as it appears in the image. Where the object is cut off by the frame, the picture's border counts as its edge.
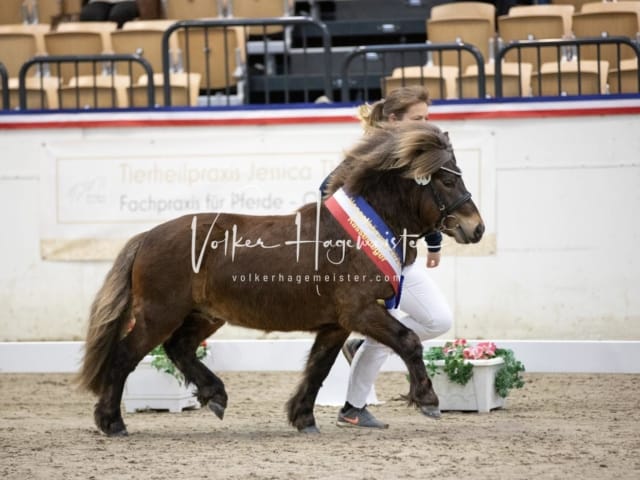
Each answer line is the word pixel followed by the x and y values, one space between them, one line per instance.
pixel 309 429
pixel 430 411
pixel 216 408
pixel 112 429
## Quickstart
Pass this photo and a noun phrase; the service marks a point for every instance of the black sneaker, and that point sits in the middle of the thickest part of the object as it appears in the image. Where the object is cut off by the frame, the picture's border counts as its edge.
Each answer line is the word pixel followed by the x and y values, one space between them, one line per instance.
pixel 360 418
pixel 350 347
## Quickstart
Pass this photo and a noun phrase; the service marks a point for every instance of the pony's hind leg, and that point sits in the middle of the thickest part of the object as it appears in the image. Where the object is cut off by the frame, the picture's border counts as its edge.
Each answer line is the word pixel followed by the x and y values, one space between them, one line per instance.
pixel 181 348
pixel 126 355
pixel 107 414
pixel 323 354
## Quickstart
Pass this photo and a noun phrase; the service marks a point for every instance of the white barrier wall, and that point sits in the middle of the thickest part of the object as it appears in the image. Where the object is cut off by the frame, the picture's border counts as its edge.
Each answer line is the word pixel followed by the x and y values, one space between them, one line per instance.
pixel 557 184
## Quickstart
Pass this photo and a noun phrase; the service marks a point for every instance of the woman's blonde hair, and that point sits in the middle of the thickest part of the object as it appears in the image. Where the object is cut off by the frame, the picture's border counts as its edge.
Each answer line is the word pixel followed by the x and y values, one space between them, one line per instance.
pixel 396 103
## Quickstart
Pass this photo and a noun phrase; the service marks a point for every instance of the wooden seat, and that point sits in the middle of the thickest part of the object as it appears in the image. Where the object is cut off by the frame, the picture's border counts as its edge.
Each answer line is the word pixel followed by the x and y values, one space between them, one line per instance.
pixel 624 6
pixel 589 80
pixel 215 54
pixel 18 43
pixel 455 10
pixel 89 92
pixel 439 81
pixel 607 23
pixel 472 31
pixel 564 11
pixel 191 9
pixel 516 79
pixel 41 93
pixel 73 43
pixel 48 10
pixel 144 38
pixel 184 90
pixel 259 9
pixel 625 78
pixel 576 4
pixel 11 12
pixel 103 28
pixel 536 27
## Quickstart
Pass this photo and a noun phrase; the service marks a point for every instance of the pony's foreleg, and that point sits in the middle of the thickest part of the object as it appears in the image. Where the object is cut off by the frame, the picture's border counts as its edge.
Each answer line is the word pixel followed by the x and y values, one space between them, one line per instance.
pixel 323 354
pixel 378 324
pixel 181 348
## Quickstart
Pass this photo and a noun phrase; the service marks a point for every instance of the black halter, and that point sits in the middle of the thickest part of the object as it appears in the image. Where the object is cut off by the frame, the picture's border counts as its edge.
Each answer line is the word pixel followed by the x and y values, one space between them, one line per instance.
pixel 445 210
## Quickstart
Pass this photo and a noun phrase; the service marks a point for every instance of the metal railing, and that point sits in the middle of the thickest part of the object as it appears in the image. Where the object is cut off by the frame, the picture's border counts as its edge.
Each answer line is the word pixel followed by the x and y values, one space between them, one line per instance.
pixel 421 51
pixel 105 65
pixel 273 51
pixel 4 83
pixel 360 79
pixel 569 50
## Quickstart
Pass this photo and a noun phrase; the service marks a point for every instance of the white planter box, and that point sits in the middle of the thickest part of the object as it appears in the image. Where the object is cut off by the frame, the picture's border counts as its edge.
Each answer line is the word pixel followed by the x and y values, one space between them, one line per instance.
pixel 148 388
pixel 479 394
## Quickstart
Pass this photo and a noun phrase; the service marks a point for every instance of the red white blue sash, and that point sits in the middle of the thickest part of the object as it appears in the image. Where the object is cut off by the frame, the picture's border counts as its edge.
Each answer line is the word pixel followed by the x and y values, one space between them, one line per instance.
pixel 372 235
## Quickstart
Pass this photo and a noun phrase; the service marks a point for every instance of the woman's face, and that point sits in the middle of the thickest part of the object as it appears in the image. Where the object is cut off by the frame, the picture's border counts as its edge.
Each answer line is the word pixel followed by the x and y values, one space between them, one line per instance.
pixel 418 112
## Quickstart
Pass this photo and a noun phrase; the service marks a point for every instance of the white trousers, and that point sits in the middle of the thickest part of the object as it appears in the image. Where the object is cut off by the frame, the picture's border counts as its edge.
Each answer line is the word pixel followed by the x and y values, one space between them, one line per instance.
pixel 422 308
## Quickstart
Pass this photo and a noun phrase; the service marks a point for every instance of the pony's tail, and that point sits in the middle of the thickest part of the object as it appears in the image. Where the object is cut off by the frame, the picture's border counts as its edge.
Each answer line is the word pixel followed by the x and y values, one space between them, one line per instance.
pixel 109 315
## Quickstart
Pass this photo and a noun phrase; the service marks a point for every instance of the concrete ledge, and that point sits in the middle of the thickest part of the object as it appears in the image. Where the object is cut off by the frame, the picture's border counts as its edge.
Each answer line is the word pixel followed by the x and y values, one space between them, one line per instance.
pixel 290 355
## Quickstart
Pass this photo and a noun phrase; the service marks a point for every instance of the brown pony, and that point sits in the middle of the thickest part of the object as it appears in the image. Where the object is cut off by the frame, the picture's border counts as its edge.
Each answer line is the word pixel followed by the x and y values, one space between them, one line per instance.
pixel 179 282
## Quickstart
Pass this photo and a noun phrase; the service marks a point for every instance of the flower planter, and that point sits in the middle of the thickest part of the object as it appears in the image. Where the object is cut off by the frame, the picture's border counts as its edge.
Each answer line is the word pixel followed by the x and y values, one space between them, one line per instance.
pixel 479 394
pixel 148 388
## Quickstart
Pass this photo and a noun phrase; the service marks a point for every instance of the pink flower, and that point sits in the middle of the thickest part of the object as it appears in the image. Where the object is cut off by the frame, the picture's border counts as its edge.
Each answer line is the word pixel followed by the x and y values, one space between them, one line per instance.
pixel 487 349
pixel 468 353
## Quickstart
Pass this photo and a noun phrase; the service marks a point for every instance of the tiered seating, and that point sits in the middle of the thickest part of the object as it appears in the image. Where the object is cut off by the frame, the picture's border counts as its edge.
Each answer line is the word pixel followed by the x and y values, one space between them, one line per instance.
pixel 610 19
pixel 469 22
pixel 144 38
pixel 214 53
pixel 516 80
pixel 11 12
pixel 462 22
pixel 440 81
pixel 259 9
pixel 103 28
pixel 191 9
pixel 184 90
pixel 20 42
pixel 40 93
pixel 610 6
pixel 534 22
pixel 564 11
pixel 454 10
pixel 567 80
pixel 78 38
pixel 576 4
pixel 216 63
pixel 624 78
pixel 537 22
pixel 88 91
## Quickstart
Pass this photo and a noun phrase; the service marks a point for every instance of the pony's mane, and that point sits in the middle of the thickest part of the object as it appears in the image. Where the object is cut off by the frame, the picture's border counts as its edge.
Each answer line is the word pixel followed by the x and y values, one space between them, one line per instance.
pixel 409 149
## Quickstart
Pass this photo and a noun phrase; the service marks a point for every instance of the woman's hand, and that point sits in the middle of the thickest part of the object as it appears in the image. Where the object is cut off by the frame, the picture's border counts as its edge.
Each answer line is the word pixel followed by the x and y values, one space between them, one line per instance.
pixel 433 259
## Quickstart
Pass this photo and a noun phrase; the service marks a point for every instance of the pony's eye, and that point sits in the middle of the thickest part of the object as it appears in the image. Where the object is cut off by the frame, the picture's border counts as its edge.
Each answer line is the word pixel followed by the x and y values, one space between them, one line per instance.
pixel 449 182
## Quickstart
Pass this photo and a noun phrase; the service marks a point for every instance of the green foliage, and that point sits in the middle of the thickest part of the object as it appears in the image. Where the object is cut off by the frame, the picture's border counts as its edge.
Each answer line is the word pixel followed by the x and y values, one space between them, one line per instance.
pixel 163 363
pixel 459 370
pixel 509 376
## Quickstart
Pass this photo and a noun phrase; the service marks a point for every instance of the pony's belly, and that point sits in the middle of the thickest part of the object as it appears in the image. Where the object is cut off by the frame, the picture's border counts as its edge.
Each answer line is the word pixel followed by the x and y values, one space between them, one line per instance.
pixel 271 309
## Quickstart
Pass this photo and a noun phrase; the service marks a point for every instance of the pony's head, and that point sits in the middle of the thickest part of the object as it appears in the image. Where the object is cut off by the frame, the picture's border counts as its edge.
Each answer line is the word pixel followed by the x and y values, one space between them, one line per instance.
pixel 407 171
